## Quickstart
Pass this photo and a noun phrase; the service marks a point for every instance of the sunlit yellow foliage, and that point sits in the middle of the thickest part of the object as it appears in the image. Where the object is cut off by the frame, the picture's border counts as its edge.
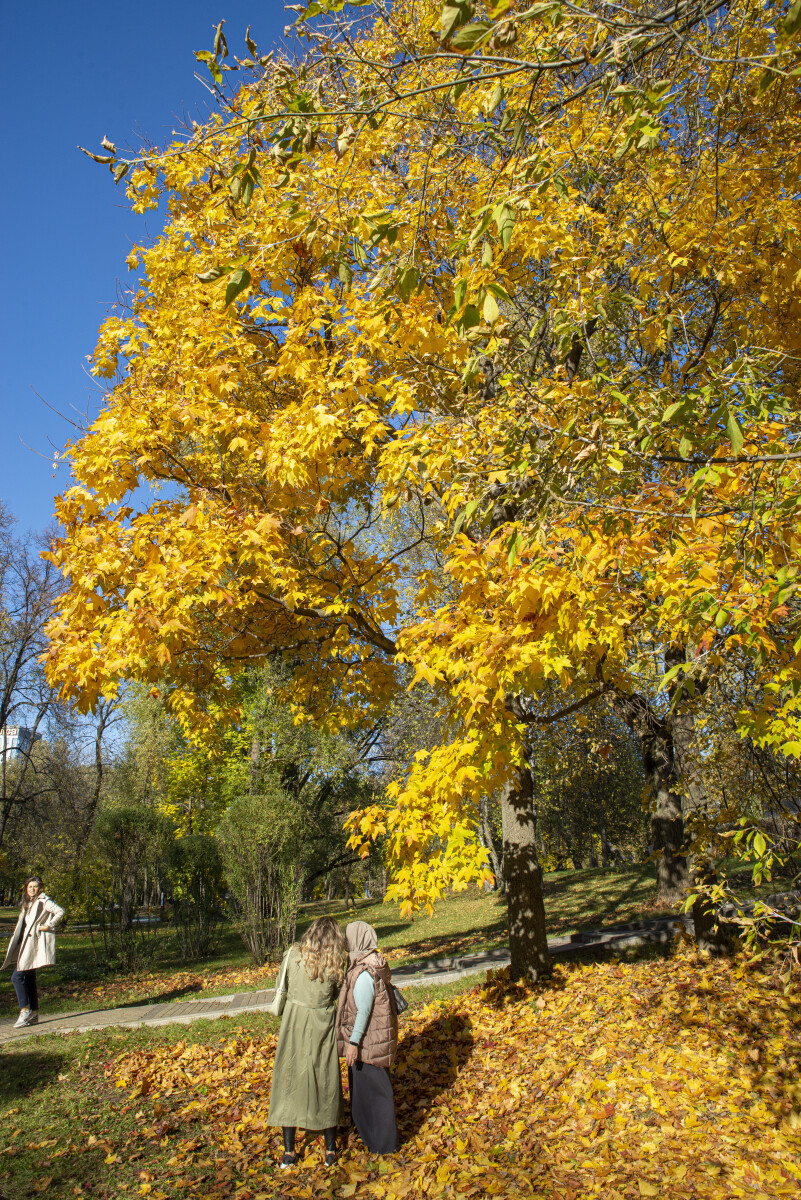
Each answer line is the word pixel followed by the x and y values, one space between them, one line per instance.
pixel 405 293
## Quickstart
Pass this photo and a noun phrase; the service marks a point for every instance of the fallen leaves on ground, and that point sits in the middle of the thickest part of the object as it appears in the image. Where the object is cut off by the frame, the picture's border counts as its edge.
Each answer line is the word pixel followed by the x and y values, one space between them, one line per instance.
pixel 153 986
pixel 670 1078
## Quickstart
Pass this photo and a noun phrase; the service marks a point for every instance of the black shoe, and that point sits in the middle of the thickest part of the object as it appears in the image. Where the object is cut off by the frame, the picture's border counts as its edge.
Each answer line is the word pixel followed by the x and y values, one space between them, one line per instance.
pixel 331 1157
pixel 288 1160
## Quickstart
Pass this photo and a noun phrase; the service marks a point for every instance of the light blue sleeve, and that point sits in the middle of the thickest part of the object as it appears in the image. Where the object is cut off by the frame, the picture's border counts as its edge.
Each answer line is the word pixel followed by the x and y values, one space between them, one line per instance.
pixel 364 995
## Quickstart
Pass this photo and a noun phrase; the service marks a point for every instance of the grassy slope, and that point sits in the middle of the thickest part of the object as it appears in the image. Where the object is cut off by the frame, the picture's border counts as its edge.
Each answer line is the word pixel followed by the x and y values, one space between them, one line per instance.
pixel 464 923
pixel 470 921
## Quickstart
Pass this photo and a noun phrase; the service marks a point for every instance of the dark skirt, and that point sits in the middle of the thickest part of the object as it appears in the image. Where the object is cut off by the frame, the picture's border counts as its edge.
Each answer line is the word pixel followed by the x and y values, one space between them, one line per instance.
pixel 372 1107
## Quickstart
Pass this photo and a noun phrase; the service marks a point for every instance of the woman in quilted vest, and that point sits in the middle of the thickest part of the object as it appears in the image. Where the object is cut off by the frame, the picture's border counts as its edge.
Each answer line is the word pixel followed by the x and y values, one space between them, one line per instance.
pixel 307 1088
pixel 367 1033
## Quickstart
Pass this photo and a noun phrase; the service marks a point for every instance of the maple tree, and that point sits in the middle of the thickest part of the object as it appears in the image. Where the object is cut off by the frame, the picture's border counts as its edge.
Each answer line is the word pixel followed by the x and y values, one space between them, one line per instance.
pixel 480 353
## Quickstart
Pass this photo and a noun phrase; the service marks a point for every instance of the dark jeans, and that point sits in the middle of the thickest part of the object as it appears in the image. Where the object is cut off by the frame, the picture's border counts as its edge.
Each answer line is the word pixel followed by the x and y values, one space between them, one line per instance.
pixel 25 986
pixel 330 1136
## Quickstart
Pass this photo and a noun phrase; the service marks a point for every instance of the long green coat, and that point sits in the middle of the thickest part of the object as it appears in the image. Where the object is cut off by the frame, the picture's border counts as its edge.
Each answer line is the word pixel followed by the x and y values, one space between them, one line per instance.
pixel 307 1089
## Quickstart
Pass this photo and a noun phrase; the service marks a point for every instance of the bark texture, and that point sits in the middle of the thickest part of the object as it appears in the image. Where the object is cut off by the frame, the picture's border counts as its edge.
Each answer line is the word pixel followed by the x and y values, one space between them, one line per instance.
pixel 655 737
pixel 528 943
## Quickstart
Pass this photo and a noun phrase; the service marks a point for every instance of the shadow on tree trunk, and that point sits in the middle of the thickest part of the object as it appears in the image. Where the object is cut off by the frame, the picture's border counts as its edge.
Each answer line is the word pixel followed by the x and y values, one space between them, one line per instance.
pixel 528 943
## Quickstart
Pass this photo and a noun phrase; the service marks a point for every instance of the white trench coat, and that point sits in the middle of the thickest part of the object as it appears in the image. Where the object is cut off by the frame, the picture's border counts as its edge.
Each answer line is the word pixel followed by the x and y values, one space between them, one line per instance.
pixel 38 947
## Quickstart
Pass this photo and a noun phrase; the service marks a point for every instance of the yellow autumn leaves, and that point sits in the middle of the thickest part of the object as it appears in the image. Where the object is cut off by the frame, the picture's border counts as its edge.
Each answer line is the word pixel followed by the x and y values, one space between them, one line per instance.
pixel 663 1078
pixel 507 391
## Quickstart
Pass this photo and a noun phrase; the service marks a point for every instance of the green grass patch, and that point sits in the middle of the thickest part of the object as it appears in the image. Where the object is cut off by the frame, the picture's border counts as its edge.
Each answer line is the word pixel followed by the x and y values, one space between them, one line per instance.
pixel 465 923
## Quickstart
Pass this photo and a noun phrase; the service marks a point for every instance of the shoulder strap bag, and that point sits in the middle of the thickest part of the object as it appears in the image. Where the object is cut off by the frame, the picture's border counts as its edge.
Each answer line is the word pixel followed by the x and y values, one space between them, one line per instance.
pixel 279 1000
pixel 401 1004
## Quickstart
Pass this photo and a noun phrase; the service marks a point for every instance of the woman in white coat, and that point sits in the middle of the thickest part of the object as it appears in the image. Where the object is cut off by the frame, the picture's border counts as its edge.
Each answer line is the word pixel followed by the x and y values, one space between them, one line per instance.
pixel 32 945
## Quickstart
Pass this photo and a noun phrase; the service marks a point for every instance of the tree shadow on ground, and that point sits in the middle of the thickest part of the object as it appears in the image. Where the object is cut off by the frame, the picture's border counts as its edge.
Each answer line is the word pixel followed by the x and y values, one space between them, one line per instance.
pixel 90 1004
pixel 451 945
pixel 607 892
pixel 25 1072
pixel 427 1065
pixel 190 989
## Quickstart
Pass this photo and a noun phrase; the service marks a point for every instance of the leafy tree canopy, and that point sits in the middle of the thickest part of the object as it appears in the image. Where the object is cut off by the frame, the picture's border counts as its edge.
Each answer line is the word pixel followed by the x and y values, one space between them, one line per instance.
pixel 471 340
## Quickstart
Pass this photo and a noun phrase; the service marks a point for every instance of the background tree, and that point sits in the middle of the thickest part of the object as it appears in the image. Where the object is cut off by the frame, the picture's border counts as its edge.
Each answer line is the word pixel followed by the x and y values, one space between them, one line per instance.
pixel 28 589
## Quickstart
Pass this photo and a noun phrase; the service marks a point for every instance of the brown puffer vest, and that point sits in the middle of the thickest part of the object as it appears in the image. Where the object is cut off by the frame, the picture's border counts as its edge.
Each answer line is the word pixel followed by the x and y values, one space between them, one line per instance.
pixel 380 1039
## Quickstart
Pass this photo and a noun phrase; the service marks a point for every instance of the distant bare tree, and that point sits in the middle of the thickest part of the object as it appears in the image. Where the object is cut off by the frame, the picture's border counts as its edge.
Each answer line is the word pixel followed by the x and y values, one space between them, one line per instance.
pixel 28 587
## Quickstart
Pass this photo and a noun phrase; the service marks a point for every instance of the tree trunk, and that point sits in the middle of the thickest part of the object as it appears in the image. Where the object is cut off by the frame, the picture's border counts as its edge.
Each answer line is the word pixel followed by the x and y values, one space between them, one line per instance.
pixel 667 830
pixel 490 844
pixel 667 826
pixel 605 860
pixel 711 936
pixel 528 944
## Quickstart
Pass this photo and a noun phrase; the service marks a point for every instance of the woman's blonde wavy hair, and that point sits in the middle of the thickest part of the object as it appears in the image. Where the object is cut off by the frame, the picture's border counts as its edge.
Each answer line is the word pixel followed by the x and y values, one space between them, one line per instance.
pixel 322 950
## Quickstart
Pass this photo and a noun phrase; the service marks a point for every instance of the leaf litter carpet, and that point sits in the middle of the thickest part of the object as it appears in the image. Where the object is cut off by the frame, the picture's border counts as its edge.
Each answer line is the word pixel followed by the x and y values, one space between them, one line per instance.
pixel 672 1078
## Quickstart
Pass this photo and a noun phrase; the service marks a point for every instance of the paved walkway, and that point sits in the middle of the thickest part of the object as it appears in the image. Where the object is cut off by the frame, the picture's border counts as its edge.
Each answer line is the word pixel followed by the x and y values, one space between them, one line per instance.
pixel 421 974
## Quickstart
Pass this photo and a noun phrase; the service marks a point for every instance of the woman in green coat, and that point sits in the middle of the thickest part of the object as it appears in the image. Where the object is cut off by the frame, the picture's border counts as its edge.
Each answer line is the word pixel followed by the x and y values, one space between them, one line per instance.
pixel 307 1089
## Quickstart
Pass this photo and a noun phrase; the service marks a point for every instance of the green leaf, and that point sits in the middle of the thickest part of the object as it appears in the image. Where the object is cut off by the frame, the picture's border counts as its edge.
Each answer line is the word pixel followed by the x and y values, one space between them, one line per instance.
pixel 469 318
pixel 668 676
pixel 211 62
pixel 215 273
pixel 408 282
pixel 760 845
pixel 465 516
pixel 460 292
pixel 792 22
pixel 471 35
pixel 236 284
pixel 120 171
pixel 504 218
pixel 359 253
pixel 345 274
pixel 734 431
pixel 103 159
pixel 499 293
pixel 671 411
pixel 454 14
pixel 498 95
pixel 470 368
pixel 512 548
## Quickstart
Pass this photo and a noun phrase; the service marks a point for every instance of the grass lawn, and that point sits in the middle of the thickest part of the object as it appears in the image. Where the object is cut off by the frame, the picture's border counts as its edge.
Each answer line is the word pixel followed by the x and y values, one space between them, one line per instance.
pixel 467 922
pixel 669 1078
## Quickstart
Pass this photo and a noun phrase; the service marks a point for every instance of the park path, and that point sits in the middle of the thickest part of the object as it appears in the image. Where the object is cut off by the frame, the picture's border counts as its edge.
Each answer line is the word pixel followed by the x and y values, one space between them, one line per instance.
pixel 419 974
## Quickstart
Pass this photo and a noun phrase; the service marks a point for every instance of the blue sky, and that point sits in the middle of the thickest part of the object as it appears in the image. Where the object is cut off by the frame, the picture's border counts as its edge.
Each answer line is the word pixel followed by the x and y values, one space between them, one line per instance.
pixel 72 73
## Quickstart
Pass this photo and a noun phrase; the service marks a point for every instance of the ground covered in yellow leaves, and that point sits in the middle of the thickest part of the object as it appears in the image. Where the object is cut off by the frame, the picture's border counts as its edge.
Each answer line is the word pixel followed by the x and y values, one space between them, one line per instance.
pixel 153 986
pixel 670 1078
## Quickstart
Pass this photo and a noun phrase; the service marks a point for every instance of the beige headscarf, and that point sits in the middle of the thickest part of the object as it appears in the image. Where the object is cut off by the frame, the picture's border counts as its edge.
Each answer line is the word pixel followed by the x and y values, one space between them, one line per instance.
pixel 362 940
